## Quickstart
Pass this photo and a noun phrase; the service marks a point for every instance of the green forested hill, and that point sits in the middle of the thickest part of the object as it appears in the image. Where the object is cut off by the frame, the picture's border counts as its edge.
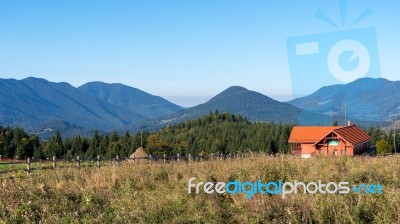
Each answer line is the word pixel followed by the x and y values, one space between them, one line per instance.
pixel 219 133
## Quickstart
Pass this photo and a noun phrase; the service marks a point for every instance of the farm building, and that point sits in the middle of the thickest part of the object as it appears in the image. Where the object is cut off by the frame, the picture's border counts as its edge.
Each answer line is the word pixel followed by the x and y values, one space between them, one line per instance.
pixel 307 141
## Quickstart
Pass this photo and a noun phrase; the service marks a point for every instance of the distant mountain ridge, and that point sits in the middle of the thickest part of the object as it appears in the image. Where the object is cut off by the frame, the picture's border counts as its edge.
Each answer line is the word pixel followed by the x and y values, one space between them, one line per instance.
pixel 366 99
pixel 31 103
pixel 34 101
pixel 42 107
pixel 253 105
pixel 134 99
pixel 236 100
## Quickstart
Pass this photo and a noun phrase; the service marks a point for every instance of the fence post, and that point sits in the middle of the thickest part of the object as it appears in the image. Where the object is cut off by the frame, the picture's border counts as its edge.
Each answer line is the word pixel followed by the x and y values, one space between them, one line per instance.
pixel 98 161
pixel 190 158
pixel 28 167
pixel 78 162
pixel 177 157
pixel 133 158
pixel 164 159
pixel 220 156
pixel 201 158
pixel 54 162
pixel 117 160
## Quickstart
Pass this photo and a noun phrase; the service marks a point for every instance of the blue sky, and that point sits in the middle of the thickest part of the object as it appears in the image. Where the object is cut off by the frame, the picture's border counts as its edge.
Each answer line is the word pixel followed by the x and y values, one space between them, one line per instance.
pixel 185 51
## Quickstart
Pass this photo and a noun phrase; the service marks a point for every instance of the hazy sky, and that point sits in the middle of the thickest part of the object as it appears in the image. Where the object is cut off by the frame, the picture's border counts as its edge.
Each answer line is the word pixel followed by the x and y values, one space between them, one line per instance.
pixel 185 51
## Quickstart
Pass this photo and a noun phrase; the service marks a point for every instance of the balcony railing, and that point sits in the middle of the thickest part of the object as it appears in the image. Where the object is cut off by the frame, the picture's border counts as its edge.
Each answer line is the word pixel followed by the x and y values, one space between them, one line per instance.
pixel 296 152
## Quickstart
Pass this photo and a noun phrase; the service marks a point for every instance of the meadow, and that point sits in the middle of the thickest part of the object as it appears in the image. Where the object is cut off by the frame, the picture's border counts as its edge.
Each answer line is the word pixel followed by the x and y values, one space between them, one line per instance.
pixel 157 192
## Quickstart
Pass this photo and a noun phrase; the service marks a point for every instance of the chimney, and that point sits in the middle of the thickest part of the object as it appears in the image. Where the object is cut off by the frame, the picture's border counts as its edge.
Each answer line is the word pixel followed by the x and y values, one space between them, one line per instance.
pixel 348 123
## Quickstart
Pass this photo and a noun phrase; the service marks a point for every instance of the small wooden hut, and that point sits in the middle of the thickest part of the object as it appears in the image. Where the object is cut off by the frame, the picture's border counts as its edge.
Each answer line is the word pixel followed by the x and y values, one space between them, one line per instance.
pixel 139 156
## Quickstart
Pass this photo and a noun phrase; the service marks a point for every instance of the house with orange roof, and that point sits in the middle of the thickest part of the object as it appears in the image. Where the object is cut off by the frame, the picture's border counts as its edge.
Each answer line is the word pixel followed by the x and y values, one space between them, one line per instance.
pixel 307 141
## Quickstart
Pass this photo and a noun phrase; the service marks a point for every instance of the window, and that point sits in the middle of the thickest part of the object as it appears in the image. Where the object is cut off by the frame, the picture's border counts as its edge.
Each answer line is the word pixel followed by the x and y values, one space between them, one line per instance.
pixel 343 151
pixel 335 152
pixel 333 142
pixel 321 152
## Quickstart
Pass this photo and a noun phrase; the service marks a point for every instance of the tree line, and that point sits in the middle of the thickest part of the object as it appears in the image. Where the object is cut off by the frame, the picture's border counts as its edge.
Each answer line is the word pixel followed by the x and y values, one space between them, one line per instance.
pixel 213 133
pixel 16 143
pixel 385 141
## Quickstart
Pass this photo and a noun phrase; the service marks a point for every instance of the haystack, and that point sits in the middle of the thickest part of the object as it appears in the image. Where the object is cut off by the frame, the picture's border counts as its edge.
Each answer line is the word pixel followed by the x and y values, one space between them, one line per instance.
pixel 139 156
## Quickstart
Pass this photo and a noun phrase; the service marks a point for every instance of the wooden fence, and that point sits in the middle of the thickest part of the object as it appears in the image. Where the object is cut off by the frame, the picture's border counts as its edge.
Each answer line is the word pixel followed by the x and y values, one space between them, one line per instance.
pixel 98 162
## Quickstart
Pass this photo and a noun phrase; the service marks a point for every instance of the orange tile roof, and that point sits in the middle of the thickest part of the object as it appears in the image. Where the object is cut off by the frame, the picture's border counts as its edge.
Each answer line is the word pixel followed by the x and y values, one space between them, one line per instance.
pixel 311 134
pixel 353 134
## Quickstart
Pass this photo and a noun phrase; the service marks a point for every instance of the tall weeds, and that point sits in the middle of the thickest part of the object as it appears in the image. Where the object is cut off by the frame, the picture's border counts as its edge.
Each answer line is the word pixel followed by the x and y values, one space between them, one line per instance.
pixel 157 193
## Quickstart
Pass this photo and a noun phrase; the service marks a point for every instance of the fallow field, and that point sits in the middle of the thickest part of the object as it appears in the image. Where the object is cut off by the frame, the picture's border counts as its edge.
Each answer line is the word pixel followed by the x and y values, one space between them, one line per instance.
pixel 157 193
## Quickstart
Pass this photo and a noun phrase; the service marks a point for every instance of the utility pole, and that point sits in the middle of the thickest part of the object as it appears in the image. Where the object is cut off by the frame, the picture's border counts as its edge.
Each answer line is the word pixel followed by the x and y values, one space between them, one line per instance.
pixel 345 114
pixel 394 139
pixel 141 139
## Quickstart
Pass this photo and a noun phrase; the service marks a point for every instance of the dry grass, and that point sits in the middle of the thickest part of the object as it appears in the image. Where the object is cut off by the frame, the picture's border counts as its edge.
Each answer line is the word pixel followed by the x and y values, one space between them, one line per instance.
pixel 157 193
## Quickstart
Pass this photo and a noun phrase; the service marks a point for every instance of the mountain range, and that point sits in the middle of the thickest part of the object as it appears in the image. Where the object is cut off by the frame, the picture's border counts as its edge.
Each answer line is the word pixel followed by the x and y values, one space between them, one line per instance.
pixel 135 100
pixel 34 103
pixel 366 99
pixel 42 107
pixel 255 106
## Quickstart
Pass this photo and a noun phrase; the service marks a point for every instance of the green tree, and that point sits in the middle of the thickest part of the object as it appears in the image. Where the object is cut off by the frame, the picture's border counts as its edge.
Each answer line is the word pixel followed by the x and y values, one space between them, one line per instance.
pixel 94 145
pixel 60 150
pixel 382 147
pixel 22 148
pixel 38 153
pixel 115 148
pixel 77 146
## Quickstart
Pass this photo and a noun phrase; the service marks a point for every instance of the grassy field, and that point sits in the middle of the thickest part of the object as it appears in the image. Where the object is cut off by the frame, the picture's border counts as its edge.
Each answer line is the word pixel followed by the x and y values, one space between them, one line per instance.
pixel 157 193
pixel 21 166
